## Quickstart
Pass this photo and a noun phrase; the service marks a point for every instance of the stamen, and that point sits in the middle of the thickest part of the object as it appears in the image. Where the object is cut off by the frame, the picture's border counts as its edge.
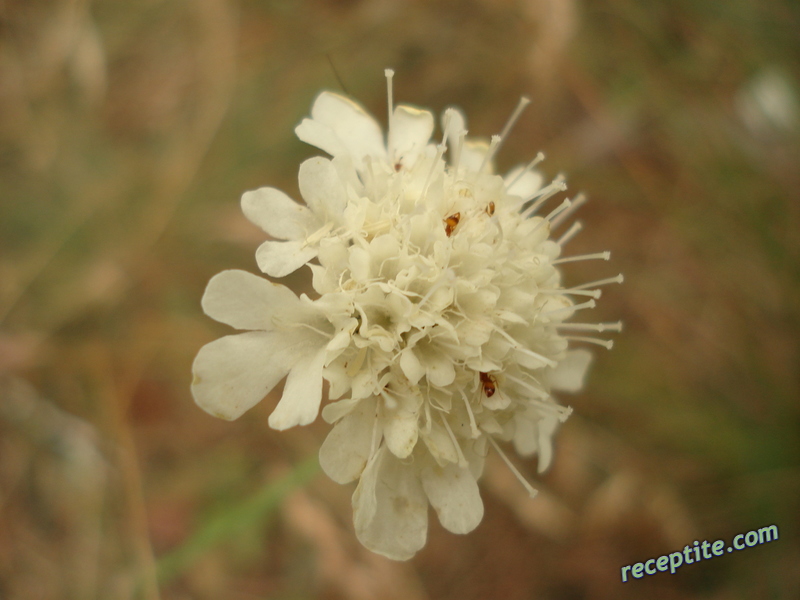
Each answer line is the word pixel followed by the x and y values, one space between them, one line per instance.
pixel 542 195
pixel 559 209
pixel 448 119
pixel 528 386
pixel 457 154
pixel 577 202
pixel 512 120
pixel 519 347
pixel 575 292
pixel 600 327
pixel 587 304
pixel 318 235
pixel 439 152
pixel 597 255
pixel 389 73
pixel 618 279
pixel 462 461
pixel 561 412
pixel 376 434
pixel 523 103
pixel 608 344
pixel 493 144
pixel 447 277
pixel 306 325
pixel 473 427
pixel 539 158
pixel 428 422
pixel 528 487
pixel 570 233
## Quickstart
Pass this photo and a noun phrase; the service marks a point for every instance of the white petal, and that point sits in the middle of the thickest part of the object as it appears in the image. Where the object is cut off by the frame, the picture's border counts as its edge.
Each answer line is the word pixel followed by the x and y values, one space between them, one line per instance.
pixel 232 374
pixel 340 341
pixel 547 427
pixel 337 410
pixel 390 510
pixel 277 214
pixel 322 136
pixel 302 394
pixel 400 430
pixel 411 367
pixel 340 383
pixel 440 445
pixel 498 401
pixel 457 125
pixel 246 301
pixel 411 131
pixel 524 186
pixel 321 188
pixel 473 154
pixel 526 433
pixel 340 126
pixel 323 280
pixel 454 495
pixel 568 376
pixel 359 263
pixel 279 259
pixel 344 453
pixel 439 369
pixel 475 453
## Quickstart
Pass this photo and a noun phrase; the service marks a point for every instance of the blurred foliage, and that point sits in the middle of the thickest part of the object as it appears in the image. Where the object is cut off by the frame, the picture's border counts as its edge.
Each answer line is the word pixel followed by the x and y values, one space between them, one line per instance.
pixel 128 131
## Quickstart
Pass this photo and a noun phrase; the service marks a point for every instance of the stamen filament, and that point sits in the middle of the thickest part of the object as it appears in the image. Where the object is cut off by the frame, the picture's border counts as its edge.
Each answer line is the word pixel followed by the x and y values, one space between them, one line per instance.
pixel 512 120
pixel 459 148
pixel 307 326
pixel 600 327
pixel 560 208
pixel 537 159
pixel 428 422
pixel 528 487
pixel 389 73
pixel 597 255
pixel 544 194
pixel 587 304
pixel 519 347
pixel 439 152
pixel 447 277
pixel 448 119
pixel 574 292
pixel 618 279
pixel 376 433
pixel 493 144
pixel 570 233
pixel 577 202
pixel 472 425
pixel 318 235
pixel 462 461
pixel 542 393
pixel 608 344
pixel 562 412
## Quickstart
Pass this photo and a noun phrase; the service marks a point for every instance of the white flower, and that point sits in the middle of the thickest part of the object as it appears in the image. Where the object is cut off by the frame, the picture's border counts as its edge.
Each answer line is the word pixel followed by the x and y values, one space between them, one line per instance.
pixel 440 322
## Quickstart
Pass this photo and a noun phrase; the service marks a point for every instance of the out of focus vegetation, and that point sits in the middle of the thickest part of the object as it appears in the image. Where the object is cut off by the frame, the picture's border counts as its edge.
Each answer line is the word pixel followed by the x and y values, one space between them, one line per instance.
pixel 128 131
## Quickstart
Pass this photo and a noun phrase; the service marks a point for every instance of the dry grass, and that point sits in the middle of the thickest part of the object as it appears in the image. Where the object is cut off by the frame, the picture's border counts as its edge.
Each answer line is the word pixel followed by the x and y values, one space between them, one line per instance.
pixel 128 132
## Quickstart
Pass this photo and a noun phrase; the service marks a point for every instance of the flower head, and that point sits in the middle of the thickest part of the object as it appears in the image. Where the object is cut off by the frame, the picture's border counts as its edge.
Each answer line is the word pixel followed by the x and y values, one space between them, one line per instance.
pixel 440 322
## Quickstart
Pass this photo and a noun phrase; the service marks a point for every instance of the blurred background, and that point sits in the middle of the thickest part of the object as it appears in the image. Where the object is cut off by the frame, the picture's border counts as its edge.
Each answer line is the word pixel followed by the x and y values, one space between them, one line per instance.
pixel 128 132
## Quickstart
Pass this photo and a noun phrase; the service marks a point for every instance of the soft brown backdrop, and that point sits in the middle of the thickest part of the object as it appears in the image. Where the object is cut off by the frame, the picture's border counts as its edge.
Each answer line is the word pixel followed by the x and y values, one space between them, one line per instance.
pixel 128 132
